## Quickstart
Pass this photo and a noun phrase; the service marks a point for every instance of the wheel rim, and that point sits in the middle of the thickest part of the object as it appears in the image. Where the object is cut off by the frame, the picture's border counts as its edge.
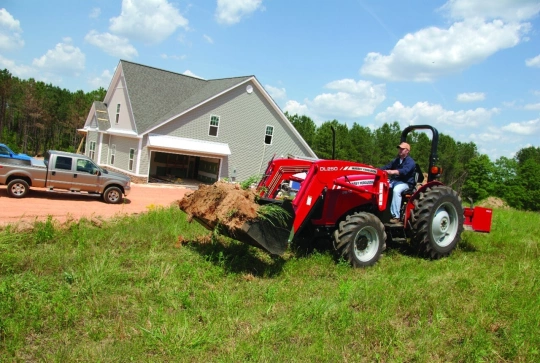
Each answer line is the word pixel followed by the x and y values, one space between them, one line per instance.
pixel 444 224
pixel 18 189
pixel 366 244
pixel 114 196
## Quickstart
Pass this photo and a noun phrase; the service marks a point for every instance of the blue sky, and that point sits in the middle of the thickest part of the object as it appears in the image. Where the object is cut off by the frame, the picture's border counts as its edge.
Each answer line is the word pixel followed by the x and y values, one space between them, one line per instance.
pixel 471 68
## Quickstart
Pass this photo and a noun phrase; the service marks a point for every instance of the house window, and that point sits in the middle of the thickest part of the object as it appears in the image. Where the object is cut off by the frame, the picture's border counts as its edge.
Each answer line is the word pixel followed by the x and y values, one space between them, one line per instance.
pixel 131 155
pixel 92 151
pixel 117 113
pixel 214 124
pixel 269 134
pixel 113 152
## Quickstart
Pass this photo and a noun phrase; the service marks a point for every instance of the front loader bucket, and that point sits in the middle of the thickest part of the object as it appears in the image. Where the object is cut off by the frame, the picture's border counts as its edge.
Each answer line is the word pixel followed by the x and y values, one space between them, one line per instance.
pixel 233 212
pixel 265 235
pixel 258 233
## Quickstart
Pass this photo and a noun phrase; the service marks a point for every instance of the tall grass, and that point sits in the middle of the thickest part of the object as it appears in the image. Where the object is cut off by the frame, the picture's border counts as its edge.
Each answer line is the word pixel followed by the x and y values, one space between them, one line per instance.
pixel 131 290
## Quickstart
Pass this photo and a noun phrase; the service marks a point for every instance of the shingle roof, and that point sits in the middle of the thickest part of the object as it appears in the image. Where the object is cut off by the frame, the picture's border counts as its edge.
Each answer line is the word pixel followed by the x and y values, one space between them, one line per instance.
pixel 102 116
pixel 156 95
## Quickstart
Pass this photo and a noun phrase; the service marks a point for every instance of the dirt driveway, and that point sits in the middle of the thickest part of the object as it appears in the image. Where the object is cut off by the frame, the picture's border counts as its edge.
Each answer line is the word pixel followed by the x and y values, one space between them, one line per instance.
pixel 40 203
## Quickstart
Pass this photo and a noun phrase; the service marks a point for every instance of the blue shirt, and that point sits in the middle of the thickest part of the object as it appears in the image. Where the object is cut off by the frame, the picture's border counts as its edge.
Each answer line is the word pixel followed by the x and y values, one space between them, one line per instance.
pixel 405 168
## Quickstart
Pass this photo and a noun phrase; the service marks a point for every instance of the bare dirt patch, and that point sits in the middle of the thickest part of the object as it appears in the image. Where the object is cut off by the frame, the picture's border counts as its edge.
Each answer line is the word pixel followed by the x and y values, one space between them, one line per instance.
pixel 65 206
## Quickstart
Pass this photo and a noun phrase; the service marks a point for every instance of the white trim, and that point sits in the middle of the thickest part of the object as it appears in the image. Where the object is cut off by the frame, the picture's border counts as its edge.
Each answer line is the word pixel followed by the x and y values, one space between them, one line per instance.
pixel 183 145
pixel 118 132
pixel 100 147
pixel 139 152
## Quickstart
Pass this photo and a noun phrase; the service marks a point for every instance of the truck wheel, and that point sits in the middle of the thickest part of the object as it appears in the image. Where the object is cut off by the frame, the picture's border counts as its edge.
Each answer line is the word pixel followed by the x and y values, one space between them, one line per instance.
pixel 360 239
pixel 17 188
pixel 437 222
pixel 112 195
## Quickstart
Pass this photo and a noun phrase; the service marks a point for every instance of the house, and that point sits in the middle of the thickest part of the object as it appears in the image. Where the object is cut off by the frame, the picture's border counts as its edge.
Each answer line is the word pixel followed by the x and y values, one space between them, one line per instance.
pixel 155 124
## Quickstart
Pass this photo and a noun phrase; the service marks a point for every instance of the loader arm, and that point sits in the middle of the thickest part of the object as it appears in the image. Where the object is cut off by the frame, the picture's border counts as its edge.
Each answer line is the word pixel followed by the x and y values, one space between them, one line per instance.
pixel 350 184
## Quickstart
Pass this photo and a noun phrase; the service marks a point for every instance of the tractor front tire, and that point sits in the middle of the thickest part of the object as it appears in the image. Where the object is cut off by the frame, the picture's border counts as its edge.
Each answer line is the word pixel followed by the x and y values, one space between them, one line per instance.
pixel 17 188
pixel 360 239
pixel 437 222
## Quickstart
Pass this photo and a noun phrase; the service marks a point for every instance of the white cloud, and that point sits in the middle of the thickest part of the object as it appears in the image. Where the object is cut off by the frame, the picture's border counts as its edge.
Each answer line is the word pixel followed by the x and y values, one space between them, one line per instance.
pixel 10 32
pixel 526 128
pixel 295 108
pixel 208 39
pixel 433 52
pixel 471 97
pixel 191 74
pixel 18 70
pixel 350 100
pixel 102 80
pixel 232 11
pixel 508 10
pixel 150 21
pixel 95 13
pixel 175 57
pixel 533 62
pixel 276 93
pixel 433 114
pixel 112 44
pixel 64 59
pixel 533 106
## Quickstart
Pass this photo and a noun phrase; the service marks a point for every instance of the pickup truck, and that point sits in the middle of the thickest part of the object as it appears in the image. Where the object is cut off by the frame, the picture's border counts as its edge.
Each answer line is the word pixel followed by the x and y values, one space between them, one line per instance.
pixel 8 155
pixel 67 171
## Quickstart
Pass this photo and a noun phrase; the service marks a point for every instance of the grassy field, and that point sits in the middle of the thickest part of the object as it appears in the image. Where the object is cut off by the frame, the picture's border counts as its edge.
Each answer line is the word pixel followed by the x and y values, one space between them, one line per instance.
pixel 129 290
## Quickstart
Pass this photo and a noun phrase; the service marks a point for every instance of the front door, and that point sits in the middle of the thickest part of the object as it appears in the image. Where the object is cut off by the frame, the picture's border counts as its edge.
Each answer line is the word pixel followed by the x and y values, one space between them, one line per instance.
pixel 85 178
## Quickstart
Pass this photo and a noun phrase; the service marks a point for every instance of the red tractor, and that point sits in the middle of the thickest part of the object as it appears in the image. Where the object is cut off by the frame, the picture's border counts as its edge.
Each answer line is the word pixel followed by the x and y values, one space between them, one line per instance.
pixel 348 204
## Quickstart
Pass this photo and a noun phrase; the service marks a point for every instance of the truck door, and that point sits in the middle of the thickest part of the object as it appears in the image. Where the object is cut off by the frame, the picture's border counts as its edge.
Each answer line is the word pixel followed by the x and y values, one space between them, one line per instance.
pixel 60 173
pixel 85 178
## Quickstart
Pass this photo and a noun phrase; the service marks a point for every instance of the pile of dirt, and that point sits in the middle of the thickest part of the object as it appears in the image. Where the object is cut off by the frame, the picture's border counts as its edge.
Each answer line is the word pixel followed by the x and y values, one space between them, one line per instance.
pixel 223 204
pixel 493 202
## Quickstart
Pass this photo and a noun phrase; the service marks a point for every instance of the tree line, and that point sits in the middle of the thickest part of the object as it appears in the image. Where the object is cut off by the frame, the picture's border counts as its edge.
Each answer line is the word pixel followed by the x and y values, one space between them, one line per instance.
pixel 35 117
pixel 472 174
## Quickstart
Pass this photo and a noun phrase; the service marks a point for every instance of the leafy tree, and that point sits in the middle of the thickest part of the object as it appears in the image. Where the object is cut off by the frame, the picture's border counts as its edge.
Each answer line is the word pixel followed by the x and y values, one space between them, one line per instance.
pixel 305 126
pixel 363 143
pixel 324 140
pixel 420 149
pixel 480 182
pixel 387 137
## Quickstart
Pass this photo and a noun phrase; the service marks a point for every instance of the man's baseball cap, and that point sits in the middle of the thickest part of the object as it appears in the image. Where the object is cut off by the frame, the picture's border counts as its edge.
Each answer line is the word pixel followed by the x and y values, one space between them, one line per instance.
pixel 404 145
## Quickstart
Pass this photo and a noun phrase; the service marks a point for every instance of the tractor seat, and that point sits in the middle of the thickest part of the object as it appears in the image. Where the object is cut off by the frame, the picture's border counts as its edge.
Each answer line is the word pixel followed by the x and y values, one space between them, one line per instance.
pixel 418 178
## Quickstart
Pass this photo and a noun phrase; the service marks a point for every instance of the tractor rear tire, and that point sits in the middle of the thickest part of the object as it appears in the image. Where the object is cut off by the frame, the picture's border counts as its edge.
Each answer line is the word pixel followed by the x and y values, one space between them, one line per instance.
pixel 360 239
pixel 437 222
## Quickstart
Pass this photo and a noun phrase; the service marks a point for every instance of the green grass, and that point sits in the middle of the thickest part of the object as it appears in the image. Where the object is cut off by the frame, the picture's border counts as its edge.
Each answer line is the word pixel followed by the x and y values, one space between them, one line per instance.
pixel 127 290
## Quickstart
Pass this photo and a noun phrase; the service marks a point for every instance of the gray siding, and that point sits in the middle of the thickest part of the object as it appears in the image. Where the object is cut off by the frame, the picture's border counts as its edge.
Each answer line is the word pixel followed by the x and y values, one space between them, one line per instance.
pixel 243 120
pixel 121 159
pixel 104 150
pixel 145 158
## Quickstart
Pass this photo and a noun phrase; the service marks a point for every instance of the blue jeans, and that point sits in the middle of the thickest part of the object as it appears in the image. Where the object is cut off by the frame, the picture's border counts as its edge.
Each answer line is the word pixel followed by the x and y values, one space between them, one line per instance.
pixel 397 188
